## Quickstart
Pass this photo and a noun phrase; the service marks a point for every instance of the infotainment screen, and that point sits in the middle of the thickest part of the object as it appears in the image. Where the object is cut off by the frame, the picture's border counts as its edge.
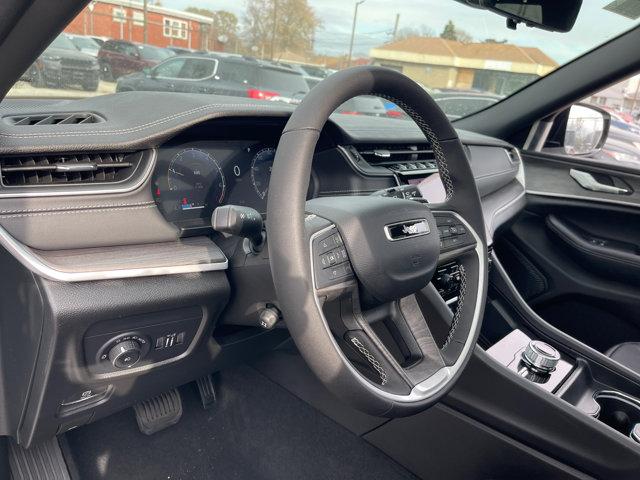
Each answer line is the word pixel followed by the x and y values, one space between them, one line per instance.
pixel 430 187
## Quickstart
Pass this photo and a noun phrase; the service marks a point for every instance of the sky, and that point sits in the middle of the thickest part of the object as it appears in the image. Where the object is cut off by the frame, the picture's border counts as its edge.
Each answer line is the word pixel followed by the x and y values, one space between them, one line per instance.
pixel 376 19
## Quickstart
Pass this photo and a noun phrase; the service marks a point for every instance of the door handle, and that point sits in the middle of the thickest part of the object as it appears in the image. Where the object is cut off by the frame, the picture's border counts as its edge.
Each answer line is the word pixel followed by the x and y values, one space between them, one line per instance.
pixel 588 182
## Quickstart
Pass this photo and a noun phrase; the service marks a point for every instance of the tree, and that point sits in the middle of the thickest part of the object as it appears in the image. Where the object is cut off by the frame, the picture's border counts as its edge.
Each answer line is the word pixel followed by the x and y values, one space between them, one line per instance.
pixel 450 32
pixel 421 31
pixel 224 25
pixel 275 26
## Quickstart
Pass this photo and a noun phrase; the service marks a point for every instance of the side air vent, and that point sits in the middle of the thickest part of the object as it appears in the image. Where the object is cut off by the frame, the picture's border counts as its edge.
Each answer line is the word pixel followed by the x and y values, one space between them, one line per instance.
pixel 402 159
pixel 32 170
pixel 53 119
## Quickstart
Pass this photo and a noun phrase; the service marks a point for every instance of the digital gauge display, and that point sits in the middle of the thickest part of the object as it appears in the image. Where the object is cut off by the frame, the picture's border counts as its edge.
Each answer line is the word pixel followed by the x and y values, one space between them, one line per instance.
pixel 196 185
pixel 192 179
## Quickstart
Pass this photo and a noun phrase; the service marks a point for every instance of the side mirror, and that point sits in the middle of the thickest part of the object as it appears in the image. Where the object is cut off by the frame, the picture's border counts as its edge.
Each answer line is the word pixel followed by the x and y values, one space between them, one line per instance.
pixel 586 130
pixel 147 72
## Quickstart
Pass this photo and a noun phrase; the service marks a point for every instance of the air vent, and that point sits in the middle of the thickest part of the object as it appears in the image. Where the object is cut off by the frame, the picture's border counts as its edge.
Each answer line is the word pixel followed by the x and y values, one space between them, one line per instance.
pixel 67 169
pixel 53 119
pixel 403 159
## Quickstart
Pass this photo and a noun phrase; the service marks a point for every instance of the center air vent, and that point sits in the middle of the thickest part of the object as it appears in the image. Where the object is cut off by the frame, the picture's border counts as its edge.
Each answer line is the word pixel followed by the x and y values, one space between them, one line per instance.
pixel 403 159
pixel 67 169
pixel 53 119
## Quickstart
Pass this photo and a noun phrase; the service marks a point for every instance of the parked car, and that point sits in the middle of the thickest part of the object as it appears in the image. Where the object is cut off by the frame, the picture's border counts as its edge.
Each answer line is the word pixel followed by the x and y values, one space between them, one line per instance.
pixel 99 40
pixel 222 75
pixel 85 44
pixel 364 105
pixel 63 65
pixel 120 57
pixel 312 80
pixel 460 103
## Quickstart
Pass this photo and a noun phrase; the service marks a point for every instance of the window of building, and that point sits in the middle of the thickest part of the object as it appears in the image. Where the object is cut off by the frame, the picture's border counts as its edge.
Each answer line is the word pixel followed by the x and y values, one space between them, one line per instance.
pixel 174 28
pixel 119 15
pixel 138 18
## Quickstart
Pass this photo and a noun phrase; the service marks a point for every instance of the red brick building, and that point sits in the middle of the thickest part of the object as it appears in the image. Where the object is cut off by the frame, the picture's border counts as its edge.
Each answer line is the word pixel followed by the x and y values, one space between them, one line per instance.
pixel 124 19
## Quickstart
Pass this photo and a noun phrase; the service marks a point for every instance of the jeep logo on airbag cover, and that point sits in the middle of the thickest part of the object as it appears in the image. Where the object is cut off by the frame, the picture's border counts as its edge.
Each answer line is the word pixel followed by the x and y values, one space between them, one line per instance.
pixel 411 228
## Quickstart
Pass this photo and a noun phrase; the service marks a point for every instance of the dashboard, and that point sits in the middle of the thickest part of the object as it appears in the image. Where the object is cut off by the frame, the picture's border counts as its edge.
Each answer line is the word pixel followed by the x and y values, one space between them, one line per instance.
pixel 135 259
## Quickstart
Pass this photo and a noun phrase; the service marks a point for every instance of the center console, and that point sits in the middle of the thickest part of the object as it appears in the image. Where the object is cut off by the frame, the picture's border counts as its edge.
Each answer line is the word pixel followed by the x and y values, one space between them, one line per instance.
pixel 516 338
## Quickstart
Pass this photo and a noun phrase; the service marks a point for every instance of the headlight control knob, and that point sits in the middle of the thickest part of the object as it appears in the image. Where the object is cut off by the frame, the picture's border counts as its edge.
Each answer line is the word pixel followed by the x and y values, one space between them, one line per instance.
pixel 125 354
pixel 540 356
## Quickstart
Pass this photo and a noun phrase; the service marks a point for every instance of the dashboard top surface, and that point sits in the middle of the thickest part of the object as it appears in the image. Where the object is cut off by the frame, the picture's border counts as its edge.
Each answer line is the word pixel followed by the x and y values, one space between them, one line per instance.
pixel 137 120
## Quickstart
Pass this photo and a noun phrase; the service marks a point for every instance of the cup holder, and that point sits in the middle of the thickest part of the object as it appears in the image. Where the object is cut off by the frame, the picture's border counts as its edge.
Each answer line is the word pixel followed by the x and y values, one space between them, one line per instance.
pixel 619 411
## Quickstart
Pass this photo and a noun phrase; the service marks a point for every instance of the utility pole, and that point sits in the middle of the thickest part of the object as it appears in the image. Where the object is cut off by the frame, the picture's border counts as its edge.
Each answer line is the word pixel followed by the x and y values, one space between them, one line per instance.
pixel 275 28
pixel 395 27
pixel 353 31
pixel 145 34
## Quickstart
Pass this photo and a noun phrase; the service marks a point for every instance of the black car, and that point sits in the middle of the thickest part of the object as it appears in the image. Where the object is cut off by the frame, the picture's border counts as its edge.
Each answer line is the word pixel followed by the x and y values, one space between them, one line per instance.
pixel 223 75
pixel 62 65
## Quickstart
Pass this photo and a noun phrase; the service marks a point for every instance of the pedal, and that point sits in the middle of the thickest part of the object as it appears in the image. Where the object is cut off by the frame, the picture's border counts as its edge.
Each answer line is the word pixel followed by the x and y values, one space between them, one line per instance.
pixel 42 461
pixel 159 412
pixel 207 391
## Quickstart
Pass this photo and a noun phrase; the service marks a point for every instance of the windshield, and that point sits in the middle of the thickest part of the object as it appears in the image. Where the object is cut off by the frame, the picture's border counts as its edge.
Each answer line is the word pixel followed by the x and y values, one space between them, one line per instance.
pixel 466 58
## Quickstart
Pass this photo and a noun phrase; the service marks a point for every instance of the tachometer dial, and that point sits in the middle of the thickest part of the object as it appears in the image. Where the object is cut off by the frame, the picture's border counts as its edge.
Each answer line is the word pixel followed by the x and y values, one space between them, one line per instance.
pixel 196 179
pixel 261 166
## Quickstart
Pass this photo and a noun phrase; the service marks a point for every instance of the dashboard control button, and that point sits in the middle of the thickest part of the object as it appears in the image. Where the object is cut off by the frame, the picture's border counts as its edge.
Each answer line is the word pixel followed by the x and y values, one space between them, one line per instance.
pixel 125 354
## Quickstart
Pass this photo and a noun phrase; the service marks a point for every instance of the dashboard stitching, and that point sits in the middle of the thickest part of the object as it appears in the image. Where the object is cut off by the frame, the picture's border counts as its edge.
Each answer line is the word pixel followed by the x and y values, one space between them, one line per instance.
pixel 144 125
pixel 76 212
pixel 75 207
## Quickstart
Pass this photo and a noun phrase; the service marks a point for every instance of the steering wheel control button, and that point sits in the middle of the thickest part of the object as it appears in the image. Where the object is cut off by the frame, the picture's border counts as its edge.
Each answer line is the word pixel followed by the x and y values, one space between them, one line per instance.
pixel 452 233
pixel 332 260
pixel 125 354
pixel 540 356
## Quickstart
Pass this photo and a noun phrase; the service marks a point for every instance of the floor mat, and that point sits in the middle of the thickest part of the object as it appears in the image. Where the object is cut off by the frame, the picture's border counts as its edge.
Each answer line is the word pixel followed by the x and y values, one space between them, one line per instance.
pixel 256 430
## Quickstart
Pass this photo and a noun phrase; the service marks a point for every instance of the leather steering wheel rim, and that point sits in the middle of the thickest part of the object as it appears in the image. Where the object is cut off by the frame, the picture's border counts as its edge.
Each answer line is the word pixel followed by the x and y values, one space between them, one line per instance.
pixel 293 223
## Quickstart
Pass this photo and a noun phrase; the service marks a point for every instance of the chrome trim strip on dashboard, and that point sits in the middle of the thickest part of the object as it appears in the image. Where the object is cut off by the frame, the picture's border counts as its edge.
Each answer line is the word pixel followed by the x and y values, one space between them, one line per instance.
pixel 440 378
pixel 31 261
pixel 137 179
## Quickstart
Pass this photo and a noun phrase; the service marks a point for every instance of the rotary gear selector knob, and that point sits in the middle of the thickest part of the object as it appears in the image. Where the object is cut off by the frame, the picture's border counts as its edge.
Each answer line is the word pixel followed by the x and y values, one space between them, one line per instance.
pixel 540 357
pixel 125 354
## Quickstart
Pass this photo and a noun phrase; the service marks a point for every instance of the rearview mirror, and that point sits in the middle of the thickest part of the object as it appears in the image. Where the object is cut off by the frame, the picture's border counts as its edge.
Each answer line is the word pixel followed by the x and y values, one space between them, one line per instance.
pixel 554 15
pixel 587 129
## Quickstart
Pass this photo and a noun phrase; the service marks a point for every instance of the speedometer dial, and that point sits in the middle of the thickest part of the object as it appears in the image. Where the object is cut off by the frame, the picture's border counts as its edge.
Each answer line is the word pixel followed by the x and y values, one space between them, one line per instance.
pixel 261 166
pixel 196 179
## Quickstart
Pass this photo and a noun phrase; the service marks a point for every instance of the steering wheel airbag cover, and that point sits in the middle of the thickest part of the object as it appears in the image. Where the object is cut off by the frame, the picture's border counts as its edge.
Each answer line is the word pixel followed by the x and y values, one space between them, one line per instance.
pixel 389 268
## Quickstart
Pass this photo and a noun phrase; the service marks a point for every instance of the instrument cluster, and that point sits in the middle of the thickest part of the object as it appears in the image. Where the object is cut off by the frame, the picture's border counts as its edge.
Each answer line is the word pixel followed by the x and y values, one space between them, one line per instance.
pixel 193 179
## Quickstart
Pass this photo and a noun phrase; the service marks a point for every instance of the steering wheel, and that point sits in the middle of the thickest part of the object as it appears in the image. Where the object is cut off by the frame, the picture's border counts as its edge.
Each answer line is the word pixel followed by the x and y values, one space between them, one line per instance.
pixel 343 266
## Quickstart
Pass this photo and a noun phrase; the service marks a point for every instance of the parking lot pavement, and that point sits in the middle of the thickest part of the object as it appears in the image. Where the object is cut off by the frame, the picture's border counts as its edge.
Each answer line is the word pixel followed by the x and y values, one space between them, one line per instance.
pixel 24 89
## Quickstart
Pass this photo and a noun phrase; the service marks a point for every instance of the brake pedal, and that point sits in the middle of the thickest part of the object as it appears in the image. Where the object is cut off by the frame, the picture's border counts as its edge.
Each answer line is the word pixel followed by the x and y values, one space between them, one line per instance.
pixel 159 412
pixel 207 391
pixel 43 461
